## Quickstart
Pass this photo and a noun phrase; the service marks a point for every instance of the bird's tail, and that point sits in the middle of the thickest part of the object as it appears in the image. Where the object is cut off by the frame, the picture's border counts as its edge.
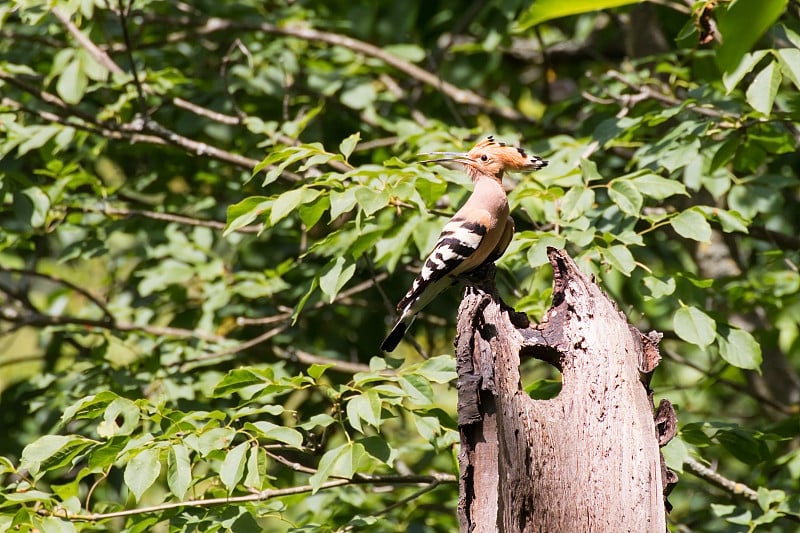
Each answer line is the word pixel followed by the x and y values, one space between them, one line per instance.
pixel 397 333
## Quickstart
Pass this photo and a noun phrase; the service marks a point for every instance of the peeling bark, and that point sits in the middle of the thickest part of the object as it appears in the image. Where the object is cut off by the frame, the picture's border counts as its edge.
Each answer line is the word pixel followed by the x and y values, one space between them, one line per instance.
pixel 587 460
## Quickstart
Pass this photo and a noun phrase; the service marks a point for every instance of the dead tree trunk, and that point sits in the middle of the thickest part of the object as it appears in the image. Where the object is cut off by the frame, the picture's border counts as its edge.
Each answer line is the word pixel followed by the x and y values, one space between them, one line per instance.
pixel 585 461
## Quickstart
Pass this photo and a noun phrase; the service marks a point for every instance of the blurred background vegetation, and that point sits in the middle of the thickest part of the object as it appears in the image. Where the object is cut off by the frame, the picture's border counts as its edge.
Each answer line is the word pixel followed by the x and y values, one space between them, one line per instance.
pixel 210 208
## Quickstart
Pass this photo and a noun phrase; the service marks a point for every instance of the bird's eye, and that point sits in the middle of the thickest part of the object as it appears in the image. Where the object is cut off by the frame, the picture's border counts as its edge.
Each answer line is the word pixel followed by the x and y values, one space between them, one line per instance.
pixel 484 157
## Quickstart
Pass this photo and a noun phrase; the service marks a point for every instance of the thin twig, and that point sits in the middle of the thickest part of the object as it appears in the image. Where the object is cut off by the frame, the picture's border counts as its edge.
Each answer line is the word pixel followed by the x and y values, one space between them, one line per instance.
pixel 308 359
pixel 97 54
pixel 787 410
pixel 123 20
pixel 50 277
pixel 166 217
pixel 399 503
pixel 41 319
pixel 258 496
pixel 216 116
pixel 734 487
pixel 460 96
pixel 240 347
pixel 151 133
pixel 226 59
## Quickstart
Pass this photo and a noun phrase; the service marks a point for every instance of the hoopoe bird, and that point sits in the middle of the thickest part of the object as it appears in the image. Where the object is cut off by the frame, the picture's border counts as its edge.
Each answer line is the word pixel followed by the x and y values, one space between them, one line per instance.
pixel 480 231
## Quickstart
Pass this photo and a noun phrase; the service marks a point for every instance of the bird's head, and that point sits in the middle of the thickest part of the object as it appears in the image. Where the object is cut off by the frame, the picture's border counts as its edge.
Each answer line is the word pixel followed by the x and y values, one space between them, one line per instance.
pixel 492 158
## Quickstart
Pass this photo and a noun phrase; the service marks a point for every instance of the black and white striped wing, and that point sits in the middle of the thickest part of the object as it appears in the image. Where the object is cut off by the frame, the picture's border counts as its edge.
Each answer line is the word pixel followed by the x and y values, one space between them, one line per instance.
pixel 451 255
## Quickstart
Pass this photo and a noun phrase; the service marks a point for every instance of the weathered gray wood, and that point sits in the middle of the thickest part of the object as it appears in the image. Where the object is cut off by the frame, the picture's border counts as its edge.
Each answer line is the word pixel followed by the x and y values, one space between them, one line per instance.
pixel 587 460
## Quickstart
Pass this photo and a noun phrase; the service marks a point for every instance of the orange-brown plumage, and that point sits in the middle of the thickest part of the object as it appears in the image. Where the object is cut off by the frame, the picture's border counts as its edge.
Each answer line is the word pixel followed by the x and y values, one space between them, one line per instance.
pixel 480 231
pixel 492 158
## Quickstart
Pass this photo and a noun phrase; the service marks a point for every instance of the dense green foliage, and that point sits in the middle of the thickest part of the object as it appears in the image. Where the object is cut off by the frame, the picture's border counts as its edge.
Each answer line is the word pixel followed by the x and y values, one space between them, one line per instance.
pixel 209 209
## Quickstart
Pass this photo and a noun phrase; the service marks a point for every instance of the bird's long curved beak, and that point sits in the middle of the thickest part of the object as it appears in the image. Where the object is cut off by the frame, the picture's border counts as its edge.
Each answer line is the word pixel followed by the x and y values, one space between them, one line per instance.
pixel 449 156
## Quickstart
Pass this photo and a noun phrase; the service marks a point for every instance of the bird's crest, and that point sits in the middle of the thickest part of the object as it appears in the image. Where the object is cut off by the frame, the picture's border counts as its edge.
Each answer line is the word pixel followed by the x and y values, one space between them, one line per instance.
pixel 493 158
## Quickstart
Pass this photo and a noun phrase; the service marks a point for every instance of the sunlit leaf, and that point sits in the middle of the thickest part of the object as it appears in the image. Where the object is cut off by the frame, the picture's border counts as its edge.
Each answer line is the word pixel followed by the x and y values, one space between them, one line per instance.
pixel 621 258
pixel 626 195
pixel 692 225
pixel 742 25
pixel 693 325
pixel 762 92
pixel 142 471
pixel 232 468
pixel 335 275
pixel 544 10
pixel 347 146
pixel 179 470
pixel 739 348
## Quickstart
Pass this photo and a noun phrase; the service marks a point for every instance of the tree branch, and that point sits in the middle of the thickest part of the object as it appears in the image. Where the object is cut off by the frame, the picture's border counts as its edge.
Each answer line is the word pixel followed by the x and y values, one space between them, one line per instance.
pixel 460 96
pixel 434 479
pixel 715 478
pixel 166 217
pixel 42 320
pixel 50 277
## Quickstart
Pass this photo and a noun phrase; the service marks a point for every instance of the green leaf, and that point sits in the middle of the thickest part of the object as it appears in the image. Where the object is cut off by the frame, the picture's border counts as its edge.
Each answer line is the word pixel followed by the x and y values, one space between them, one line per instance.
pixel 312 211
pixel 72 83
pixel 241 378
pixel 439 369
pixel 378 448
pixel 342 202
pixel 417 388
pixel 767 497
pixel 692 225
pixel 544 389
pixel 544 10
pixel 89 407
pixel 347 146
pixel 179 470
pixel 120 408
pixel 742 519
pixel 659 288
pixel 693 325
pixel 743 445
pixel 366 407
pixel 428 427
pixel 739 348
pixel 142 471
pixel 341 461
pixel 620 258
pixel 655 186
pixel 213 439
pixel 284 434
pixel 675 454
pixel 789 59
pixel 37 137
pixel 360 96
pixel 42 449
pixel 626 196
pixel 726 151
pixel 409 52
pixel 256 468
pixel 746 64
pixel 742 25
pixel 537 254
pixel 370 199
pixel 722 510
pixel 288 202
pixel 335 275
pixel 232 468
pixel 52 452
pixel 762 92
pixel 33 206
pixel 245 212
pixel 731 221
pixel 576 202
pixel 316 370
